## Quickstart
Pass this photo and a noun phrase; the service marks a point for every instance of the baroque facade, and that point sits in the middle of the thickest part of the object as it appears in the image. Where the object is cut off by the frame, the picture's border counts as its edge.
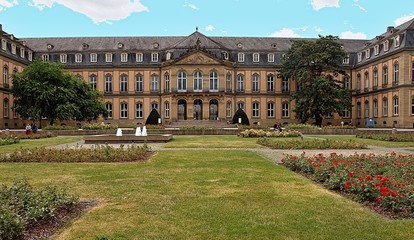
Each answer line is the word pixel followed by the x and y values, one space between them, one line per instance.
pixel 197 77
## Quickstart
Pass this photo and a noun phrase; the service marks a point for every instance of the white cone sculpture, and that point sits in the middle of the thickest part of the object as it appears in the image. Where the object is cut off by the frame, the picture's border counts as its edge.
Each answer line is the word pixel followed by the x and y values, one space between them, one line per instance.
pixel 144 131
pixel 138 132
pixel 119 132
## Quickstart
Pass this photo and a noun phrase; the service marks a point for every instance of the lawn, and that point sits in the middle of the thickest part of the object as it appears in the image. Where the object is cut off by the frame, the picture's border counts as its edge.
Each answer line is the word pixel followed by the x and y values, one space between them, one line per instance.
pixel 42 142
pixel 371 142
pixel 212 142
pixel 201 194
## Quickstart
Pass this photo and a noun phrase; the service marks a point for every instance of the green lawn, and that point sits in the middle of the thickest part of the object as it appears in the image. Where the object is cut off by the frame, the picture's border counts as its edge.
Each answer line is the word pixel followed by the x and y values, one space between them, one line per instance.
pixel 42 142
pixel 212 142
pixel 202 194
pixel 370 141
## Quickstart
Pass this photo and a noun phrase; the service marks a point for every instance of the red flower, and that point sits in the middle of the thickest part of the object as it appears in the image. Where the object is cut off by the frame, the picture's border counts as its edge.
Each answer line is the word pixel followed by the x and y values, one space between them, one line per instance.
pixel 379 199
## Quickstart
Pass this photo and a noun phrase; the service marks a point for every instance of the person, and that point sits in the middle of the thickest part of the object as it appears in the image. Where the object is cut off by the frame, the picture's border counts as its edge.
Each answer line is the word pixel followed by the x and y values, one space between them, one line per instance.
pixel 34 128
pixel 28 129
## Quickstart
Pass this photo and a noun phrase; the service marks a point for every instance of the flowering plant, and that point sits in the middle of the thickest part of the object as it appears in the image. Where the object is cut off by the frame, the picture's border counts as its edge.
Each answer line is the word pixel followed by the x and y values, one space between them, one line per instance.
pixel 263 133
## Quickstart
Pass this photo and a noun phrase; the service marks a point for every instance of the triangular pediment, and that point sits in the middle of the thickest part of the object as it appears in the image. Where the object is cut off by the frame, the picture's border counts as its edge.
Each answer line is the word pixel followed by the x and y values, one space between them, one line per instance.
pixel 198 58
pixel 197 40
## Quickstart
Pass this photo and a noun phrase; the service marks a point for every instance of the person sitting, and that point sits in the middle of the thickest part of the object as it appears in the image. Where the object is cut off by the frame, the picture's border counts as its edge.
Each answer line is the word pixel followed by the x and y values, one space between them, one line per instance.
pixel 28 129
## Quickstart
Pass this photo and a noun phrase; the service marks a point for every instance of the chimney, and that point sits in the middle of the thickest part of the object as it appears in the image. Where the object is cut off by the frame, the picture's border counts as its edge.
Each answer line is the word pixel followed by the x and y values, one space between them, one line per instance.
pixel 390 28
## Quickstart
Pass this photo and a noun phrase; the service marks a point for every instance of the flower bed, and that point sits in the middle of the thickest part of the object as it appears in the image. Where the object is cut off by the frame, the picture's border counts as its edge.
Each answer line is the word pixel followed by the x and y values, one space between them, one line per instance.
pixel 394 137
pixel 262 133
pixel 310 143
pixel 384 182
pixel 22 135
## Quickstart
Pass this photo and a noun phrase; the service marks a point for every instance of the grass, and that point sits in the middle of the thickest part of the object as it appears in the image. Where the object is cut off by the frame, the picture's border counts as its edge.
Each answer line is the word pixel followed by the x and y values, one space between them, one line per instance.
pixel 43 142
pixel 371 142
pixel 212 142
pixel 203 194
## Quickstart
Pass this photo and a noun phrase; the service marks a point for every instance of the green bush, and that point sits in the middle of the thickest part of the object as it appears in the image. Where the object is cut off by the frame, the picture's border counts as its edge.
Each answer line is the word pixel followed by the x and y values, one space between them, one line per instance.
pixel 310 144
pixel 261 133
pixel 301 126
pixel 56 127
pixel 98 126
pixel 153 117
pixel 395 137
pixel 240 114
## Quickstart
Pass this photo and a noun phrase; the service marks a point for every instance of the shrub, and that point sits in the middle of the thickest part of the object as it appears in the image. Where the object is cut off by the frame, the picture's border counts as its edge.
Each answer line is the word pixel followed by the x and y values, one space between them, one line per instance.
pixel 339 127
pixel 8 140
pixel 240 114
pixel 153 117
pixel 307 143
pixel 98 126
pixel 262 133
pixel 301 126
pixel 394 137
pixel 56 127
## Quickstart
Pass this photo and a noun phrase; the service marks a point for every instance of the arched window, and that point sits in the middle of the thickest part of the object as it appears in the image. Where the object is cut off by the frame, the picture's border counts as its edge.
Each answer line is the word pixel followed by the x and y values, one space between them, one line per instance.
pixel 228 82
pixel 240 83
pixel 198 81
pixel 228 109
pixel 375 79
pixel 5 75
pixel 6 108
pixel 182 81
pixel 167 109
pixel 154 83
pixel 375 106
pixel 166 82
pixel 366 106
pixel 108 83
pixel 384 76
pixel 395 107
pixel 358 82
pixel 213 81
pixel 385 107
pixel 123 82
pixel 396 74
pixel 359 110
pixel 139 83
pixel 366 87
pixel 255 83
pixel 270 83
pixel 92 81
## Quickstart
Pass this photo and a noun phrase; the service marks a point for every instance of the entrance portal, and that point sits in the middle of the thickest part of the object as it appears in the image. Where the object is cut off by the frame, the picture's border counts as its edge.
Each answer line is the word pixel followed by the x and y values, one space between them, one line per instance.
pixel 213 109
pixel 182 109
pixel 198 109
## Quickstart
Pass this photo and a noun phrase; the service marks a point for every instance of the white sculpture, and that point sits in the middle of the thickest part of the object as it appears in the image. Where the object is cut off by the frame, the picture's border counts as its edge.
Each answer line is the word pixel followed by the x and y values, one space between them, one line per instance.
pixel 138 132
pixel 119 132
pixel 144 131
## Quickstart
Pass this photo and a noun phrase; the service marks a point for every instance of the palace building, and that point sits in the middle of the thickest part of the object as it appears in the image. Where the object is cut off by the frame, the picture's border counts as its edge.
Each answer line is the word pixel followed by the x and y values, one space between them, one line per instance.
pixel 201 78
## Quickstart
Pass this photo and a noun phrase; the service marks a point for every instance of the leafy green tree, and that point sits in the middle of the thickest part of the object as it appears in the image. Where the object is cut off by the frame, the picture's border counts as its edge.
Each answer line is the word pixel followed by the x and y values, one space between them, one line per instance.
pixel 316 66
pixel 240 114
pixel 45 89
pixel 153 117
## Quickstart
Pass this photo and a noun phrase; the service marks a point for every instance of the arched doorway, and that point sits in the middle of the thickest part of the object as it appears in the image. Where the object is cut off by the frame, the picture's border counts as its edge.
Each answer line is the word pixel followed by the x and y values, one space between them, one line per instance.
pixel 198 109
pixel 182 109
pixel 213 109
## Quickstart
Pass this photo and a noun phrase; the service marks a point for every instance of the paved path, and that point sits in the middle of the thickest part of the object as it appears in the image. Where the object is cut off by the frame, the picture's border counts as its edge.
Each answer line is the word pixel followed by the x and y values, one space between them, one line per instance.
pixel 275 155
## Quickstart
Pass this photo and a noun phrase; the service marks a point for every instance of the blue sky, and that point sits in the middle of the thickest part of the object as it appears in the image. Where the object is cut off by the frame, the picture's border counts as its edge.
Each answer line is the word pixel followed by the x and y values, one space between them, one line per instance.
pixel 357 19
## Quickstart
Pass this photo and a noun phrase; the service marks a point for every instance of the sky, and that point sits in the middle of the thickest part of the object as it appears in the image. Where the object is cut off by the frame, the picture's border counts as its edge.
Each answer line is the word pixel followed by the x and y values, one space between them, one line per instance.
pixel 348 19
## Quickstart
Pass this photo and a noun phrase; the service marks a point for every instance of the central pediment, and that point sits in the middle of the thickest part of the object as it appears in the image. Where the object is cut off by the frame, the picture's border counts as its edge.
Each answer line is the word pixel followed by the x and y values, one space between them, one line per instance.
pixel 198 58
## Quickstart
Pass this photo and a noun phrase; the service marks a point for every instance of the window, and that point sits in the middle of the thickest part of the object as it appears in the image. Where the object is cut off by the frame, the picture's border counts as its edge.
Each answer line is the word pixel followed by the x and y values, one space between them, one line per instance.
pixel 366 109
pixel 198 81
pixel 123 83
pixel 94 57
pixel 285 84
pixel 30 55
pixel 285 110
pixel 124 110
pixel 154 83
pixel 214 81
pixel 412 105
pixel 228 109
pixel 154 57
pixel 270 83
pixel 347 82
pixel 384 76
pixel 63 58
pixel 255 82
pixel 366 81
pixel 168 56
pixel 139 57
pixel 271 57
pixel 166 82
pixel 78 57
pixel 270 110
pixel 240 57
pixel 228 82
pixel 359 56
pixel 386 44
pixel 13 48
pixel 124 57
pixel 397 41
pixel 139 83
pixel 167 110
pixel 4 44
pixel 368 53
pixel 412 72
pixel 108 83
pixel 240 105
pixel 255 109
pixel 346 113
pixel 240 83
pixel 329 115
pixel 6 108
pixel 396 75
pixel 375 103
pixel 45 57
pixel 345 60
pixel 108 57
pixel 376 50
pixel 5 75
pixel 384 107
pixel 139 110
pixel 375 82
pixel 154 105
pixel 256 57
pixel 395 106
pixel 359 110
pixel 92 81
pixel 358 82
pixel 22 52
pixel 108 110
pixel 182 81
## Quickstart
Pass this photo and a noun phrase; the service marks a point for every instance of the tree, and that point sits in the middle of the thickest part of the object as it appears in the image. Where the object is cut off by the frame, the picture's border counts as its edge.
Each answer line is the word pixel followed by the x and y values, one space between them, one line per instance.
pixel 316 66
pixel 153 117
pixel 45 89
pixel 240 114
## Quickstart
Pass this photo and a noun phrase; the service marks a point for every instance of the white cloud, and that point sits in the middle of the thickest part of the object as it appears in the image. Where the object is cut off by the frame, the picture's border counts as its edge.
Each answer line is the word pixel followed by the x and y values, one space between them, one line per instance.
pixel 319 4
pixel 97 10
pixel 403 19
pixel 210 28
pixel 285 32
pixel 351 35
pixel 192 6
pixel 318 29
pixel 360 7
pixel 7 4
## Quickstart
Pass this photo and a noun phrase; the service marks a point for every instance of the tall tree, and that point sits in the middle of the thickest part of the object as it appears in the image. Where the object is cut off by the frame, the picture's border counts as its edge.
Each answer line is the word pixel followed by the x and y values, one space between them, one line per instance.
pixel 45 89
pixel 316 66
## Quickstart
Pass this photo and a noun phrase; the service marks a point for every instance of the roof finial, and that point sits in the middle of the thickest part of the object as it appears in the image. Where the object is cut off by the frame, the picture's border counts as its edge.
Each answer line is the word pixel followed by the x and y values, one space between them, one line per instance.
pixel 196 29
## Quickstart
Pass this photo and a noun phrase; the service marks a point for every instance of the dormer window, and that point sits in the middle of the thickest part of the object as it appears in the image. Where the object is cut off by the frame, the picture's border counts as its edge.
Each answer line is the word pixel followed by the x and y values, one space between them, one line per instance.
pixel 240 57
pixel 168 56
pixel 359 56
pixel 345 60
pixel 108 57
pixel 124 57
pixel 271 57
pixel 376 50
pixel 154 57
pixel 78 58
pixel 397 41
pixel 45 57
pixel 30 55
pixel 226 55
pixel 63 58
pixel 93 57
pixel 367 53
pixel 4 44
pixel 22 52
pixel 139 57
pixel 256 57
pixel 386 44
pixel 13 48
